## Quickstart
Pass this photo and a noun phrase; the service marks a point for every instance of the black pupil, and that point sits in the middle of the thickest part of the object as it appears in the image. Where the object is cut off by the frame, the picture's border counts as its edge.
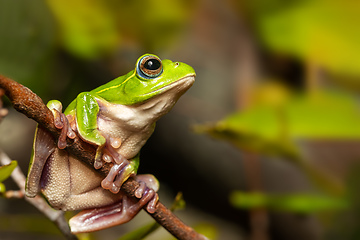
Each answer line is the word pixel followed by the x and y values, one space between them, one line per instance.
pixel 152 64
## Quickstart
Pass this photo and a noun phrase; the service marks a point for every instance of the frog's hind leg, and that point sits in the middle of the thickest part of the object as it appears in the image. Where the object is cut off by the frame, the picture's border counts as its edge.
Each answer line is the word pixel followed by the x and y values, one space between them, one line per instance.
pixel 121 211
pixel 43 147
pixel 100 218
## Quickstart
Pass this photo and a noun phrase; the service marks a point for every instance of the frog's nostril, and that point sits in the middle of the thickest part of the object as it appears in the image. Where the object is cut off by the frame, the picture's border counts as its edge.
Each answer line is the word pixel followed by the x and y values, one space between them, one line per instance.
pixel 177 64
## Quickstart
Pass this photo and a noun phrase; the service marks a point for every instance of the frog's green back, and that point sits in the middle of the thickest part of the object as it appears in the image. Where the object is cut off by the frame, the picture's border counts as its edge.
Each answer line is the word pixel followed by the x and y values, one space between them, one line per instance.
pixel 109 89
pixel 104 91
pixel 134 87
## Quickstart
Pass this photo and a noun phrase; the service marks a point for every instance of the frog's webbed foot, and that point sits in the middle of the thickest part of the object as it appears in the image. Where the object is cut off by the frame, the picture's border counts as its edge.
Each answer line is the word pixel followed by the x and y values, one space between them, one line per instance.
pixel 62 122
pixel 149 185
pixel 120 212
pixel 108 153
pixel 122 168
pixel 118 174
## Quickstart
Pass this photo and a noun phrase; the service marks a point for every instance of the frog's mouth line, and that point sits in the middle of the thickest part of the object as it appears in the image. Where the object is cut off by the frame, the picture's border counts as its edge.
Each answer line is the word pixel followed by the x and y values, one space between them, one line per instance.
pixel 185 83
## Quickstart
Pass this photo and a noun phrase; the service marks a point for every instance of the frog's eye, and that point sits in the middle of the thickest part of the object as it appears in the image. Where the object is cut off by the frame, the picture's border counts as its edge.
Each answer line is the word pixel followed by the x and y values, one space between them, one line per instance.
pixel 149 67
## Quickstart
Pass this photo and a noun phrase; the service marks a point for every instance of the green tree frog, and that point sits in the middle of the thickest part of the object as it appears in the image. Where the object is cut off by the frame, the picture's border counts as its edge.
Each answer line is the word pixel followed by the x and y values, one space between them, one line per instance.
pixel 118 118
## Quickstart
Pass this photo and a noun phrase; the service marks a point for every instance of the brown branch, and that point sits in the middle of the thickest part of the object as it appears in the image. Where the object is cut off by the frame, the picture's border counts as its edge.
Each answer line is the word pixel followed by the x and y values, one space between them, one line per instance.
pixel 28 103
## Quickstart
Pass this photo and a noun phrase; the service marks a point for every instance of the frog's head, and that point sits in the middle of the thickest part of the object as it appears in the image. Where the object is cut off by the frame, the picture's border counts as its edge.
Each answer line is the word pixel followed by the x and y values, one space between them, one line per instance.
pixel 153 77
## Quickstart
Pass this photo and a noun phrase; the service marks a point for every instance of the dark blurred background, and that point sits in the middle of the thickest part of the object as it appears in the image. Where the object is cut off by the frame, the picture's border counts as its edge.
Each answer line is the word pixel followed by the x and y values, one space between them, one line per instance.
pixel 264 146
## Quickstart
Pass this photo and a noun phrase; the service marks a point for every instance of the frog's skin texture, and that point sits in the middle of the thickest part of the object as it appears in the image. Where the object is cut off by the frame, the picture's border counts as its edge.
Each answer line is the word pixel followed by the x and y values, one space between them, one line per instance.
pixel 118 118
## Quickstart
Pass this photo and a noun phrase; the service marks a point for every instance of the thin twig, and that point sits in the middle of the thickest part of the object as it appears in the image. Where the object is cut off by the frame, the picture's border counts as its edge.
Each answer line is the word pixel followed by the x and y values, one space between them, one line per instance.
pixel 55 216
pixel 28 103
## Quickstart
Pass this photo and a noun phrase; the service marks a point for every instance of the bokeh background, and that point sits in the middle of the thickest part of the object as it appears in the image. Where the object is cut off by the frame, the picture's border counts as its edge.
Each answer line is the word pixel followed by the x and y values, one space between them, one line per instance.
pixel 264 146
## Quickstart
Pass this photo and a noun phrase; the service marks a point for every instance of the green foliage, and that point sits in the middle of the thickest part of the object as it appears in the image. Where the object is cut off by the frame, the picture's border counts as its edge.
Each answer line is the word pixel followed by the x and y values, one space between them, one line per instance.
pixel 296 203
pixel 346 225
pixel 179 202
pixel 27 224
pixel 90 28
pixel 27 43
pixel 86 236
pixel 141 232
pixel 6 170
pixel 2 189
pixel 320 31
pixel 154 23
pixel 87 27
pixel 208 230
pixel 272 129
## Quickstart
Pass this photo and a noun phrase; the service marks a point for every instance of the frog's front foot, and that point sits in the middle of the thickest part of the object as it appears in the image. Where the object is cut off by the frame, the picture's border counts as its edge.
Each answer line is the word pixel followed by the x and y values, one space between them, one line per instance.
pixel 121 170
pixel 118 174
pixel 108 153
pixel 61 121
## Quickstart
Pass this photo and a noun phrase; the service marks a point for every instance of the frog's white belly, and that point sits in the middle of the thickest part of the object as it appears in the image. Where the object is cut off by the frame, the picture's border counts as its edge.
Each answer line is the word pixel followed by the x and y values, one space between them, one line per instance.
pixel 126 123
pixel 134 124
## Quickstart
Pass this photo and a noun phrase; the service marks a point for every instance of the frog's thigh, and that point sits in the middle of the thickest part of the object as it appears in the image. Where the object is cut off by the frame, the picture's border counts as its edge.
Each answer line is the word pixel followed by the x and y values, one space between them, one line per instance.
pixel 85 188
pixel 43 147
pixel 95 198
pixel 69 184
pixel 55 179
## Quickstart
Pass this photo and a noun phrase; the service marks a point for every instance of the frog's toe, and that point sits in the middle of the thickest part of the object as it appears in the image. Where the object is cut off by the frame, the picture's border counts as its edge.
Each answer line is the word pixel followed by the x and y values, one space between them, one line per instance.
pixel 120 159
pixel 64 131
pixel 62 122
pixel 147 189
pixel 112 177
pixel 107 158
pixel 123 175
pixel 107 153
pixel 98 163
pixel 57 119
pixel 70 132
pixel 115 142
pixel 150 181
pixel 151 197
pixel 110 150
pixel 151 207
pixel 140 190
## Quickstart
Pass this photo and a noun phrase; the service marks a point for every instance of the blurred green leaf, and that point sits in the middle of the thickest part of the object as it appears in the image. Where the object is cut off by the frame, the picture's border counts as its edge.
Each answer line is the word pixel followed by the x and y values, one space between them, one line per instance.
pixel 298 203
pixel 322 31
pixel 87 27
pixel 27 43
pixel 154 23
pixel 179 202
pixel 208 230
pixel 86 236
pixel 141 232
pixel 274 129
pixel 162 21
pixel 90 28
pixel 27 224
pixel 6 170
pixel 2 189
pixel 271 129
pixel 345 224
